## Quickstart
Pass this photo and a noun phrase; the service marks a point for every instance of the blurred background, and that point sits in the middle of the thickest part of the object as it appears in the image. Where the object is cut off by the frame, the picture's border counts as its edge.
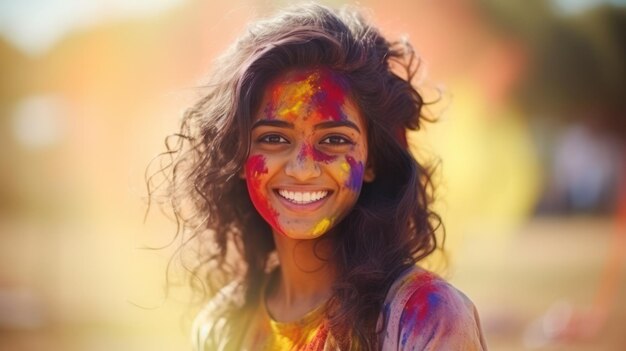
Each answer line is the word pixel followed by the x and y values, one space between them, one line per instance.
pixel 529 145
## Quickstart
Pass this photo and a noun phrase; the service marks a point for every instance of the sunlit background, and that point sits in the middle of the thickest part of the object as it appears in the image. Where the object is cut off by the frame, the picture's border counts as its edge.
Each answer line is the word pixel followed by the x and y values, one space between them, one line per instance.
pixel 530 140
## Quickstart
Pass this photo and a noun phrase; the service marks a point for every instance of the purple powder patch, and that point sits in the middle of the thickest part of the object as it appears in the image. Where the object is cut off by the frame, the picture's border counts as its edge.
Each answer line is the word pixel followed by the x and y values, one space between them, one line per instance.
pixel 356 174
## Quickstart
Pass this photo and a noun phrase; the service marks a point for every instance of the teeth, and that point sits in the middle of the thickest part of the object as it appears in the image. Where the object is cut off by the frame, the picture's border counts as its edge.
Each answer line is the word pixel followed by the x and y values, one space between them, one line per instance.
pixel 302 198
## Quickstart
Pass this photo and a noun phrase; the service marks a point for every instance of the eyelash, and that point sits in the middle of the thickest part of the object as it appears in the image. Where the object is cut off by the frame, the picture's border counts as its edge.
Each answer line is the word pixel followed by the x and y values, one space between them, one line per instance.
pixel 326 141
pixel 266 139
pixel 344 140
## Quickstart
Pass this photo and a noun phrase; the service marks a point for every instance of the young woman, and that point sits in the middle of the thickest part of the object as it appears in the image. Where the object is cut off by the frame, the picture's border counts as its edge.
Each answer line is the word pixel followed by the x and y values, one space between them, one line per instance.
pixel 294 176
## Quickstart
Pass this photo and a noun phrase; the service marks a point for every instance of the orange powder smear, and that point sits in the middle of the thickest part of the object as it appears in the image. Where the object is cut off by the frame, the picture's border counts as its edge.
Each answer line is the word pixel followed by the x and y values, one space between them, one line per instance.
pixel 296 96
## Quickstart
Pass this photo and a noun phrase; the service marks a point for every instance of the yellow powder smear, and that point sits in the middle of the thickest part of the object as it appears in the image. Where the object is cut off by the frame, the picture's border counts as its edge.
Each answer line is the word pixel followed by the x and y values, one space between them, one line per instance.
pixel 345 166
pixel 296 96
pixel 293 110
pixel 321 227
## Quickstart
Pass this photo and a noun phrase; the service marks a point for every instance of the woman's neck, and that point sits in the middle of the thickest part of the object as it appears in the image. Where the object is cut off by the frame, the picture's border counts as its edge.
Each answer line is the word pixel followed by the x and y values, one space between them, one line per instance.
pixel 305 280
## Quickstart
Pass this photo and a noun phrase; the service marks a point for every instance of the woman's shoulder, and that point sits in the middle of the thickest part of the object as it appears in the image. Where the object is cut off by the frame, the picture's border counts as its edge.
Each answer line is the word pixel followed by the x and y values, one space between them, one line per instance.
pixel 213 318
pixel 416 281
pixel 422 311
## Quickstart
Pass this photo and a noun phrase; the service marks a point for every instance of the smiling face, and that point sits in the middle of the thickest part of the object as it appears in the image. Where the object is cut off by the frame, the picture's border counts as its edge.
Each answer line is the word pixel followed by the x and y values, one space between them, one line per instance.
pixel 308 154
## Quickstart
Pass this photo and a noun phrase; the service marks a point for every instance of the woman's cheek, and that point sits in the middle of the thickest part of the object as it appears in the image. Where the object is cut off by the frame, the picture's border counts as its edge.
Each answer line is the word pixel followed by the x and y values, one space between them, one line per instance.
pixel 355 180
pixel 351 170
pixel 256 171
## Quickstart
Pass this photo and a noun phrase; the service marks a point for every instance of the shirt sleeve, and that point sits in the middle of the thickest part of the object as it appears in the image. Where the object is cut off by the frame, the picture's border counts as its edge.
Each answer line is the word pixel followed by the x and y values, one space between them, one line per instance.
pixel 210 325
pixel 438 317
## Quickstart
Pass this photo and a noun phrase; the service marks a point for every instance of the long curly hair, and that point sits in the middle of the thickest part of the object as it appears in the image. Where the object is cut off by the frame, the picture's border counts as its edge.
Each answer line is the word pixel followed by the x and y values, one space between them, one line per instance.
pixel 392 225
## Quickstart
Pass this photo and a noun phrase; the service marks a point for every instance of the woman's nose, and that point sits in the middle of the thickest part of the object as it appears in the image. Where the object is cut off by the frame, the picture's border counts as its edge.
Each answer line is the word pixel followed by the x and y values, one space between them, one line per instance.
pixel 302 165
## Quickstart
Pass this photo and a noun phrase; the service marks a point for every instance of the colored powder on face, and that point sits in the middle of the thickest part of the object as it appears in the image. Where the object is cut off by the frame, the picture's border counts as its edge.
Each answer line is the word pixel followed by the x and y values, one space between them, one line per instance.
pixel 289 112
pixel 255 168
pixel 269 109
pixel 330 96
pixel 290 99
pixel 308 150
pixel 319 94
pixel 345 167
pixel 321 227
pixel 321 156
pixel 355 179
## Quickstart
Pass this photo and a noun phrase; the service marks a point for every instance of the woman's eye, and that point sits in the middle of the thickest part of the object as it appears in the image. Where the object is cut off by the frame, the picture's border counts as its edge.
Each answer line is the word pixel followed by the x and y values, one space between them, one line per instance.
pixel 273 139
pixel 336 140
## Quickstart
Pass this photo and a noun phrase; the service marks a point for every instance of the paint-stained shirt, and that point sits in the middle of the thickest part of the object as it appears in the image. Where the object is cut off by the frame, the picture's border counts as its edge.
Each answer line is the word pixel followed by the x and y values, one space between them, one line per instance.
pixel 421 312
pixel 424 312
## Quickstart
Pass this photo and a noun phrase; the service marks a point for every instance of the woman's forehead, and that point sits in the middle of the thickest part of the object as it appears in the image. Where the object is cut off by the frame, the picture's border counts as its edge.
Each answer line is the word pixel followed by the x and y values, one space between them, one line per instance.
pixel 321 77
pixel 317 94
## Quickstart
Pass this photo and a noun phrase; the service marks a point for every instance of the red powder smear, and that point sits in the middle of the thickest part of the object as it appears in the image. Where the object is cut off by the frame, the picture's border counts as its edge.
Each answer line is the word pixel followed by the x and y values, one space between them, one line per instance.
pixel 420 308
pixel 420 303
pixel 255 167
pixel 276 91
pixel 309 151
pixel 319 93
pixel 330 96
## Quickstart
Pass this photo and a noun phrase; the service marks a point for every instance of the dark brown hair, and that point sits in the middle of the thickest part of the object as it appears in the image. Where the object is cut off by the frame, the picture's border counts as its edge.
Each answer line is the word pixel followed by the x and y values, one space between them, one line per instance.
pixel 392 225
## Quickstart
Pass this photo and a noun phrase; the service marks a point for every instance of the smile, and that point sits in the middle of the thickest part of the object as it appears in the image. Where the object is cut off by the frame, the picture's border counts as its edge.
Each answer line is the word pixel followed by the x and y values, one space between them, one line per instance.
pixel 302 198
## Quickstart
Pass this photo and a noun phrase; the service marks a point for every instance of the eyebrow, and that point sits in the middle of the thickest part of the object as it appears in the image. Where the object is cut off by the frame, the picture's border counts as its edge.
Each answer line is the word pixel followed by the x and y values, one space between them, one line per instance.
pixel 335 124
pixel 323 125
pixel 272 123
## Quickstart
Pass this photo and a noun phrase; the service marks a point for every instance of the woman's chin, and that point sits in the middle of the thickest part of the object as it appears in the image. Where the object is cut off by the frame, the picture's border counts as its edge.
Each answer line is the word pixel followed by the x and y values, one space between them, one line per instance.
pixel 308 233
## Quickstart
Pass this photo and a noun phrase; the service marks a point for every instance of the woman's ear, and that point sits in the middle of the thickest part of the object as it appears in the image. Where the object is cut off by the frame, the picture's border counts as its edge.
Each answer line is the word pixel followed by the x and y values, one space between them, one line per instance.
pixel 369 175
pixel 242 172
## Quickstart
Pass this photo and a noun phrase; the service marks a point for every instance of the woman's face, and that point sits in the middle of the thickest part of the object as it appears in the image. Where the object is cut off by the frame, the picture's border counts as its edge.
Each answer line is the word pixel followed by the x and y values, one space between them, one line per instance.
pixel 308 154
